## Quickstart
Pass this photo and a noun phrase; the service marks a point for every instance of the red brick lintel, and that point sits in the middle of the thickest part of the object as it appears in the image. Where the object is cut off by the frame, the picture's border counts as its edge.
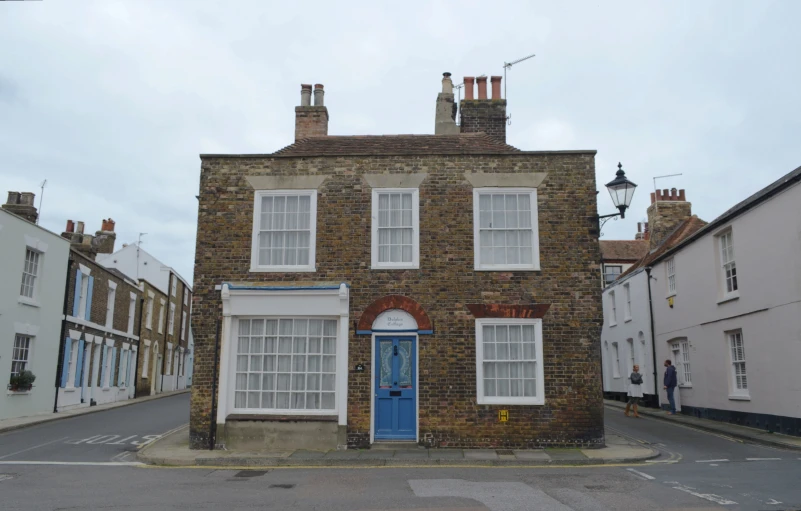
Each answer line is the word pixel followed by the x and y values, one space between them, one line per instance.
pixel 388 302
pixel 508 311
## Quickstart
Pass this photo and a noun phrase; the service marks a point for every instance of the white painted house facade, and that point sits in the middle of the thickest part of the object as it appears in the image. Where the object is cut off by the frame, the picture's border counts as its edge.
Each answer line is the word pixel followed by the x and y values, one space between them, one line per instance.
pixel 32 276
pixel 726 309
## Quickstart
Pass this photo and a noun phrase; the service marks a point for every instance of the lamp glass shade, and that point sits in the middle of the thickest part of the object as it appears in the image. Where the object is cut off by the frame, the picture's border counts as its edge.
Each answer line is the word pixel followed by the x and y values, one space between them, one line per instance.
pixel 621 189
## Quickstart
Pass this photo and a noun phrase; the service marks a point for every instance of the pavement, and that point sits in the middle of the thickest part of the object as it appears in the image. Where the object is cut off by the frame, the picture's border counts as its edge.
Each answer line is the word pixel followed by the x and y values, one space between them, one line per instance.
pixel 24 422
pixel 113 434
pixel 173 450
pixel 89 463
pixel 753 435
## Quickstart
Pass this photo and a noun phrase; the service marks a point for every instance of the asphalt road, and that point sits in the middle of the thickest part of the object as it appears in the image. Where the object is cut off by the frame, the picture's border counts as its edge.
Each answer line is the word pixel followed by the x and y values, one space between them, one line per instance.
pixel 111 435
pixel 690 474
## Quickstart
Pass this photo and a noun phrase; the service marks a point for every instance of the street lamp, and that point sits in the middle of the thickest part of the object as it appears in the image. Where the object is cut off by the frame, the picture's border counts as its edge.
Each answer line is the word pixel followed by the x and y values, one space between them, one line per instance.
pixel 622 191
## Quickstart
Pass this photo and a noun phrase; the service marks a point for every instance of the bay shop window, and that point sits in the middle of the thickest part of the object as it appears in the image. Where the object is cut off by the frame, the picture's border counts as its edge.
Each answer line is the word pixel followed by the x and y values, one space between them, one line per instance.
pixel 285 351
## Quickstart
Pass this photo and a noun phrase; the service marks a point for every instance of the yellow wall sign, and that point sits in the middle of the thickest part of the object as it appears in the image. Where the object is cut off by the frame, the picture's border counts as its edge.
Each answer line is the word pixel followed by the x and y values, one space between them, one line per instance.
pixel 503 415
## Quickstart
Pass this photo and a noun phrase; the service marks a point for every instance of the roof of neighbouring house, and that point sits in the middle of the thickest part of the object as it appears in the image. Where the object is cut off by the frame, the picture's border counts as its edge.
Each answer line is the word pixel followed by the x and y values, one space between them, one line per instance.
pixel 685 229
pixel 623 250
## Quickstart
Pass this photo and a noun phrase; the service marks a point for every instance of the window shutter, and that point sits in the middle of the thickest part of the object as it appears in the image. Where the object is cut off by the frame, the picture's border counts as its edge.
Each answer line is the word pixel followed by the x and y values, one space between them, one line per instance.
pixel 65 369
pixel 113 367
pixel 103 367
pixel 89 299
pixel 79 368
pixel 76 302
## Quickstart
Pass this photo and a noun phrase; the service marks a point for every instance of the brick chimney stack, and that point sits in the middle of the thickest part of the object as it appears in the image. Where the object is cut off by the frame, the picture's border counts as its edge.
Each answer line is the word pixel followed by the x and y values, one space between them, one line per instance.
pixel 483 115
pixel 105 237
pixel 445 118
pixel 21 204
pixel 668 209
pixel 311 121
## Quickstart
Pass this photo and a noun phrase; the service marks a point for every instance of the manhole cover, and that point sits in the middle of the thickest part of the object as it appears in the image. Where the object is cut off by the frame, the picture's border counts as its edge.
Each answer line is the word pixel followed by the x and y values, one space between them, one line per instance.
pixel 504 451
pixel 284 486
pixel 250 473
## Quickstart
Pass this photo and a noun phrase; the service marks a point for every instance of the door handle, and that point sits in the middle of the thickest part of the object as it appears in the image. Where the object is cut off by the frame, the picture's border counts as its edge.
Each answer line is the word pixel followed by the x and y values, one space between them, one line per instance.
pixel 395 350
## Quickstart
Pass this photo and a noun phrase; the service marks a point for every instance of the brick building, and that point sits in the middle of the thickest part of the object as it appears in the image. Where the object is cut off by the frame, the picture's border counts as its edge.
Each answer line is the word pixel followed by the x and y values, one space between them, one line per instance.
pixel 361 289
pixel 100 341
pixel 165 322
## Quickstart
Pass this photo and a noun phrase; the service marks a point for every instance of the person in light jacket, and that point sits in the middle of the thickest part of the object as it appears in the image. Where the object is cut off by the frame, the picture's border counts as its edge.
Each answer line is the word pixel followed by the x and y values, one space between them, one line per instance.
pixel 635 391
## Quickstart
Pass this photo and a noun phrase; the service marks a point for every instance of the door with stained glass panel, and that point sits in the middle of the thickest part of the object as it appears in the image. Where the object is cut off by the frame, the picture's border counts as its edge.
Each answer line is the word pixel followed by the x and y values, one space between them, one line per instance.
pixel 395 381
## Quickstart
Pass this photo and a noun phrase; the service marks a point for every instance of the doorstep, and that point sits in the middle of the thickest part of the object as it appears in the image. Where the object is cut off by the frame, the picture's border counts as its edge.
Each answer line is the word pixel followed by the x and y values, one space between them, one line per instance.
pixel 753 435
pixel 173 450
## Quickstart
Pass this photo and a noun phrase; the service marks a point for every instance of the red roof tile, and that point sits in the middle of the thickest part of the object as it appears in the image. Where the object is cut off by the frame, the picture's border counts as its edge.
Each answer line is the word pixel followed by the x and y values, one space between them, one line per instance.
pixel 623 250
pixel 387 145
pixel 682 232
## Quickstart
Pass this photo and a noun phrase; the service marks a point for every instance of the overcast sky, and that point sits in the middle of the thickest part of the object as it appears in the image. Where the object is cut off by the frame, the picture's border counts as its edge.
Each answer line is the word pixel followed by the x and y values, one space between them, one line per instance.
pixel 112 101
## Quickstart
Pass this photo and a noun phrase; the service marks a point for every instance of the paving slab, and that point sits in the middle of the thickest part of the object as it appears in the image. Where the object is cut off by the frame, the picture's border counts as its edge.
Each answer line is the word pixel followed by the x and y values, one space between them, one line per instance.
pixel 480 454
pixel 307 455
pixel 411 455
pixel 565 454
pixel 532 455
pixel 342 455
pixel 446 454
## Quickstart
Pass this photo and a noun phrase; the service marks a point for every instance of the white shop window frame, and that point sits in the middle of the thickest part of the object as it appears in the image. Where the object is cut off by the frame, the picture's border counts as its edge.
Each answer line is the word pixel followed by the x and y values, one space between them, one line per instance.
pixel 415 263
pixel 539 398
pixel 254 238
pixel 535 238
pixel 249 302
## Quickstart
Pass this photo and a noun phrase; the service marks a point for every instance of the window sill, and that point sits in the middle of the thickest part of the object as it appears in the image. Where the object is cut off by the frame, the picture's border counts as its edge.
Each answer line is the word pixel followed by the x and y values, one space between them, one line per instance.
pixel 613 324
pixel 729 298
pixel 739 397
pixel 395 267
pixel 18 392
pixel 627 320
pixel 507 268
pixel 282 416
pixel 106 389
pixel 686 386
pixel 283 269
pixel 616 377
pixel 69 389
pixel 670 295
pixel 144 377
pixel 507 402
pixel 29 301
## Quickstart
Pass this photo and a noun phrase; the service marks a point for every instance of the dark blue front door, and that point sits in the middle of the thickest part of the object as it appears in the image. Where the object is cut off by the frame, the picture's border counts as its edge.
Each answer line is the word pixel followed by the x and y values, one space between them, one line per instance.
pixel 395 377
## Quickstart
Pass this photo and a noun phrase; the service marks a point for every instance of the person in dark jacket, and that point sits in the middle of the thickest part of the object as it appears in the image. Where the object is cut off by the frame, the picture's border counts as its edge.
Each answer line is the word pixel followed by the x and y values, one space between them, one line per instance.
pixel 670 385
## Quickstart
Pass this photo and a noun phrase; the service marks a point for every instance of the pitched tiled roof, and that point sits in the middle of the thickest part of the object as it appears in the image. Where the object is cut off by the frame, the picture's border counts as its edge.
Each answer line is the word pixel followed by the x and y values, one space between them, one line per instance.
pixel 682 232
pixel 387 145
pixel 623 250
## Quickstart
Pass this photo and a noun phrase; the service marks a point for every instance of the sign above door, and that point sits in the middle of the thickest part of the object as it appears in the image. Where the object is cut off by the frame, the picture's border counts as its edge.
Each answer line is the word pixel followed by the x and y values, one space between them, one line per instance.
pixel 394 320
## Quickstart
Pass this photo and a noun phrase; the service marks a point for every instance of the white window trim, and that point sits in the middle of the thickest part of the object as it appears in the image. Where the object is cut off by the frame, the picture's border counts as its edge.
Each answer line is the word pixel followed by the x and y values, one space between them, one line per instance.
pixel 145 358
pixel 171 320
pixel 537 400
pixel 627 309
pixel 415 264
pixel 632 353
pixel 677 345
pixel 736 394
pixel 725 296
pixel 84 296
pixel 149 310
pixel 615 360
pixel 30 333
pixel 131 313
pixel 110 304
pixel 162 308
pixel 670 292
pixel 174 285
pixel 33 245
pixel 613 310
pixel 535 237
pixel 239 303
pixel 183 325
pixel 254 248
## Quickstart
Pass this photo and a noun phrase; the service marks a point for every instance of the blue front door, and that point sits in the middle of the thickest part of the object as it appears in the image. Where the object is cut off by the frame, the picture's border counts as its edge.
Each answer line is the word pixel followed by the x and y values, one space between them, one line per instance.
pixel 395 380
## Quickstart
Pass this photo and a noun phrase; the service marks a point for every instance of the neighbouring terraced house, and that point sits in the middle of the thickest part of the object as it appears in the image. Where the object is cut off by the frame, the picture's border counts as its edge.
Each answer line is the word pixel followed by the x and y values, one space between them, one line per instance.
pixel 439 289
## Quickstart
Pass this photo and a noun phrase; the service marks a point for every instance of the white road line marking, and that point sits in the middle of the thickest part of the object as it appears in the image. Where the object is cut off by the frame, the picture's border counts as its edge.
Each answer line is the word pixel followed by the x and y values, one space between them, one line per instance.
pixel 641 474
pixel 661 461
pixel 5 477
pixel 706 496
pixel 773 502
pixel 78 463
pixel 714 465
pixel 710 461
pixel 32 448
pixel 762 459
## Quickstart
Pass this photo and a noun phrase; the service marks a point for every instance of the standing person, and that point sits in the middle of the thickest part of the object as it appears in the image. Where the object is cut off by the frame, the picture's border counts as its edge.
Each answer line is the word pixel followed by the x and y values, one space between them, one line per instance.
pixel 670 385
pixel 635 391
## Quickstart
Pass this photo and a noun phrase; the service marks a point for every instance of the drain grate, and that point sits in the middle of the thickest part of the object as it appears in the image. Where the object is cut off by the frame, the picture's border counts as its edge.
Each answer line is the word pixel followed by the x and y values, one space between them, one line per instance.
pixel 250 473
pixel 504 451
pixel 284 486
